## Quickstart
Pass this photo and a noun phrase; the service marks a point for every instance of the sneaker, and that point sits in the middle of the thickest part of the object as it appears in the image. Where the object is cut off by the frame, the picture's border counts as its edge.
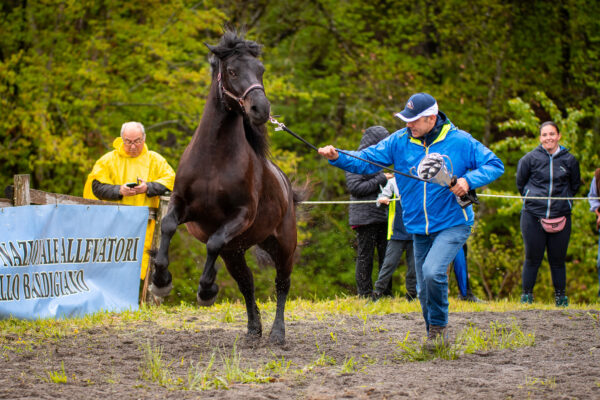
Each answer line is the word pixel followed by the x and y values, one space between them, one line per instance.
pixel 527 298
pixel 411 297
pixel 470 297
pixel 561 301
pixel 376 295
pixel 436 337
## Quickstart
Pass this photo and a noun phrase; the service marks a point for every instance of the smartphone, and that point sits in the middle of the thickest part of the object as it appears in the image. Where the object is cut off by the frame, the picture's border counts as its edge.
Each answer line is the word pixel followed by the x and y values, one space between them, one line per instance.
pixel 133 184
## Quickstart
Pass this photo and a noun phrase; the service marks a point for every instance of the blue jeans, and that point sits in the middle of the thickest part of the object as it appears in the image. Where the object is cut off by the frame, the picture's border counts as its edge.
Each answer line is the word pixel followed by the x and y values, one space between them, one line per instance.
pixel 433 254
pixel 393 257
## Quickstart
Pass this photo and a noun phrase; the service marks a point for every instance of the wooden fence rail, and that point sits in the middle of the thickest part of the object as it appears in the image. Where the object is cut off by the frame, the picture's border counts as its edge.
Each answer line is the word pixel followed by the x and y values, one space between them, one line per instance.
pixel 21 194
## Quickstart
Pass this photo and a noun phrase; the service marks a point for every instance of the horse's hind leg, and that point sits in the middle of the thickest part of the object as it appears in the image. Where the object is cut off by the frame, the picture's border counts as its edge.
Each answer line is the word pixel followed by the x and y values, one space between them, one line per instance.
pixel 283 256
pixel 161 278
pixel 237 267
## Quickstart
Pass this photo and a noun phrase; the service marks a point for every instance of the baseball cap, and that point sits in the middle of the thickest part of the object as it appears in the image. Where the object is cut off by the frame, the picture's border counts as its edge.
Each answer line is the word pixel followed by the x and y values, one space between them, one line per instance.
pixel 419 105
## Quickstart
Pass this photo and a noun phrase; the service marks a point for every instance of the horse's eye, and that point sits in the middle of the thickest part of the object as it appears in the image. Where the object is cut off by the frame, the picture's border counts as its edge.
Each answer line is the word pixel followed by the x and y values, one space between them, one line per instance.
pixel 232 73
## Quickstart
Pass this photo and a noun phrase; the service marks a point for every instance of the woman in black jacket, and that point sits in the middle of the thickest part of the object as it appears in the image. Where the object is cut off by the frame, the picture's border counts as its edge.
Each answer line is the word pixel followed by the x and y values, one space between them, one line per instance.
pixel 547 171
pixel 368 220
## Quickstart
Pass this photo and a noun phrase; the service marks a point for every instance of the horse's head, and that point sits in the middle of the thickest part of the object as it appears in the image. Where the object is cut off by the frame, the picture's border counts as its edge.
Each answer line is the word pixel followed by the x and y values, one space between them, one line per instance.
pixel 239 74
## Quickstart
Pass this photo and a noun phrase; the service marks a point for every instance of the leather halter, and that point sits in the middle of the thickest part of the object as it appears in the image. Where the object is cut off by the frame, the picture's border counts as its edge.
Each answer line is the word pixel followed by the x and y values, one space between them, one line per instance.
pixel 241 98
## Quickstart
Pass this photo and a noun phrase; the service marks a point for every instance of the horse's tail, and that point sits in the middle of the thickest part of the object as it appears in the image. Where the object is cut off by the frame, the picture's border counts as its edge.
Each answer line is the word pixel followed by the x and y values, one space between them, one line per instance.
pixel 262 257
pixel 301 191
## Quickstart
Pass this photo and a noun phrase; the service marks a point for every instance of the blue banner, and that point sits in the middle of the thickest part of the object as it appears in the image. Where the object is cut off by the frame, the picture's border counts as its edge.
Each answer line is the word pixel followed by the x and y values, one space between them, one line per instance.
pixel 70 260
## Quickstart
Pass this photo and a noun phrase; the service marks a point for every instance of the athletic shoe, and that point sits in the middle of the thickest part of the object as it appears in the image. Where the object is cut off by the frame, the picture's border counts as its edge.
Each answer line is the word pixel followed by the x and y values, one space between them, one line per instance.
pixel 375 295
pixel 411 297
pixel 561 301
pixel 470 297
pixel 436 337
pixel 527 298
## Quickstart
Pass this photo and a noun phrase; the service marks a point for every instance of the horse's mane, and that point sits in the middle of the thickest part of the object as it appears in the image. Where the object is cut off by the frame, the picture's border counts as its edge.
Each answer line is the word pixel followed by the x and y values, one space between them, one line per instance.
pixel 233 43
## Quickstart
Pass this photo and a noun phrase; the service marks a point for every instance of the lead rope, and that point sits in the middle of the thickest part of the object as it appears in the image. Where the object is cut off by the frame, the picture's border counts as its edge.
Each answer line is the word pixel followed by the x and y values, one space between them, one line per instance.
pixel 282 127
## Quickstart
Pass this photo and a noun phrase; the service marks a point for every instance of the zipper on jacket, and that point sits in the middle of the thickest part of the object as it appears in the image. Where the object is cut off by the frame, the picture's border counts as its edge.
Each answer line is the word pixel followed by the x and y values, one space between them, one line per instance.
pixel 441 136
pixel 425 199
pixel 550 186
pixel 426 148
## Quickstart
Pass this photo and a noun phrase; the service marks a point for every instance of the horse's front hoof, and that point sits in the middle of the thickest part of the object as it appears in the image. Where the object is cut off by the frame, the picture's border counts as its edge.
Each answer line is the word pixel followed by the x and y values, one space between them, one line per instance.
pixel 205 303
pixel 162 279
pixel 161 292
pixel 207 297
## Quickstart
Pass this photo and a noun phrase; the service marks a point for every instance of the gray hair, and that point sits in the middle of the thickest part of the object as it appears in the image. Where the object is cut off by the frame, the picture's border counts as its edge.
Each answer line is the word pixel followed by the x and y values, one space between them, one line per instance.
pixel 133 124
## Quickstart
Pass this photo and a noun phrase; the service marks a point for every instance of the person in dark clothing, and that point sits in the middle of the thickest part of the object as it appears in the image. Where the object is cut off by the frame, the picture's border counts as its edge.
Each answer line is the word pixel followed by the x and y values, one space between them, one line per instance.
pixel 547 171
pixel 368 220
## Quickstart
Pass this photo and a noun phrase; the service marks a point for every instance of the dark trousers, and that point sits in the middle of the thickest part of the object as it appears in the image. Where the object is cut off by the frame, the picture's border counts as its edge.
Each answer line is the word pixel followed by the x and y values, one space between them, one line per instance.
pixel 537 241
pixel 369 237
pixel 393 257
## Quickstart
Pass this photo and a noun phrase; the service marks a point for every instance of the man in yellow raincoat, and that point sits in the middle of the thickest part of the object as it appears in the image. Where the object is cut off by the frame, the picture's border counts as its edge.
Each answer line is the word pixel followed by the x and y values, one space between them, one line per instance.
pixel 131 174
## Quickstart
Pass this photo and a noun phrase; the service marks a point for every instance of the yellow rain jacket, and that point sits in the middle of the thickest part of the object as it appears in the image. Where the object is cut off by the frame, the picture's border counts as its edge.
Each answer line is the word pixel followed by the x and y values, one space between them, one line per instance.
pixel 118 168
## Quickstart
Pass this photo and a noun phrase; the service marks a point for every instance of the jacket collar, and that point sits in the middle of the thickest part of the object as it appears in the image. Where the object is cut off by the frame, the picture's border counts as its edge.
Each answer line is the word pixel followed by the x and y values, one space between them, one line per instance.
pixel 438 132
pixel 561 150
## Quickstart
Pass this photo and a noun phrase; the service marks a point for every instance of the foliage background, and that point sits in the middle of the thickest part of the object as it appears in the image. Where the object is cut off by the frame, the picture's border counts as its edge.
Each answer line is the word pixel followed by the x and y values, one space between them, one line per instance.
pixel 71 72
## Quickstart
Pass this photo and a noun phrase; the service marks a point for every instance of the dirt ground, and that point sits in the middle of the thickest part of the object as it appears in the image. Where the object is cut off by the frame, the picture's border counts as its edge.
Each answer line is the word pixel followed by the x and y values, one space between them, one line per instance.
pixel 106 363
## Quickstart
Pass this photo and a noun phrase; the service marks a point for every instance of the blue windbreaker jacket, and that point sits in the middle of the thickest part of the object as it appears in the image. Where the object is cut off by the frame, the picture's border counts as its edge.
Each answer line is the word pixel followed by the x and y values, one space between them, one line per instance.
pixel 429 207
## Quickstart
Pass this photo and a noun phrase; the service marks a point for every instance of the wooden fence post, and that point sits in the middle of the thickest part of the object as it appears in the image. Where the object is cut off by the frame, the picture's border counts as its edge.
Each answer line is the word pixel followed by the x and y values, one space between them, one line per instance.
pixel 22 196
pixel 163 205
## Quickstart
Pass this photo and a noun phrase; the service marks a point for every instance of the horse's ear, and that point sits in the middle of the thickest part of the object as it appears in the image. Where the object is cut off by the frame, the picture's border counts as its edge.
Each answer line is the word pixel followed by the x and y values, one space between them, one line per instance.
pixel 211 48
pixel 216 50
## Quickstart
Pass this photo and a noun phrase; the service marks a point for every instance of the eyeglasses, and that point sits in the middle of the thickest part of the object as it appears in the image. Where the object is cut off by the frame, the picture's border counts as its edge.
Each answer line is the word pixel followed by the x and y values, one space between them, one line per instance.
pixel 137 142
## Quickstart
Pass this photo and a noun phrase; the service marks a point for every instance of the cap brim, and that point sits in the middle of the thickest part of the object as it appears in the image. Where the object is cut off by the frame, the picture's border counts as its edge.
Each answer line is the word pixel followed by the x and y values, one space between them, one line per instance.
pixel 407 119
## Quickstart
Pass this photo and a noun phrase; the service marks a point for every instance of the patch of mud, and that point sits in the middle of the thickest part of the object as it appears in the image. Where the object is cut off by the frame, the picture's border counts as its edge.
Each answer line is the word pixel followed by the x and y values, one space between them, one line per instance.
pixel 101 363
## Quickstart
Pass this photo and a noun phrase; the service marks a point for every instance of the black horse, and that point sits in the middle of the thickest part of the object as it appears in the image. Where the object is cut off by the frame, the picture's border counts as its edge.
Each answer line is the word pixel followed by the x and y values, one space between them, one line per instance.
pixel 227 191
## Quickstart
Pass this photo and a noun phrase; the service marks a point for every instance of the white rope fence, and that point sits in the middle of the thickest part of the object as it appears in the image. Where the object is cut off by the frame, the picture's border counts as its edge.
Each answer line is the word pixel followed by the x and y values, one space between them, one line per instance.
pixel 502 196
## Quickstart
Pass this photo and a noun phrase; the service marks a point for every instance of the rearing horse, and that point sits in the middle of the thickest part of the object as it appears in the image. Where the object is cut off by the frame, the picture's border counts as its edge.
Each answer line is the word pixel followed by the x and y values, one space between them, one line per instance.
pixel 227 191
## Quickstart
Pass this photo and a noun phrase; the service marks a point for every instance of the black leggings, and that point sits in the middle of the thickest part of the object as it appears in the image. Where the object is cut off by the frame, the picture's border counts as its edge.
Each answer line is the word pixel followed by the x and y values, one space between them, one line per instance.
pixel 536 241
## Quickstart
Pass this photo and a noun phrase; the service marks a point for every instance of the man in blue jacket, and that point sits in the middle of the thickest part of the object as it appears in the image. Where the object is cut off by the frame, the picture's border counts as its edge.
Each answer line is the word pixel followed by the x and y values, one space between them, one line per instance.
pixel 431 213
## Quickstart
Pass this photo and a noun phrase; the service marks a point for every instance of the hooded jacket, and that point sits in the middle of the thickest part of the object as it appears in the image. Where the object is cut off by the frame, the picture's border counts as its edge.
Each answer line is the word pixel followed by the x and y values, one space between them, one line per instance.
pixel 116 168
pixel 541 175
pixel 429 207
pixel 367 187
